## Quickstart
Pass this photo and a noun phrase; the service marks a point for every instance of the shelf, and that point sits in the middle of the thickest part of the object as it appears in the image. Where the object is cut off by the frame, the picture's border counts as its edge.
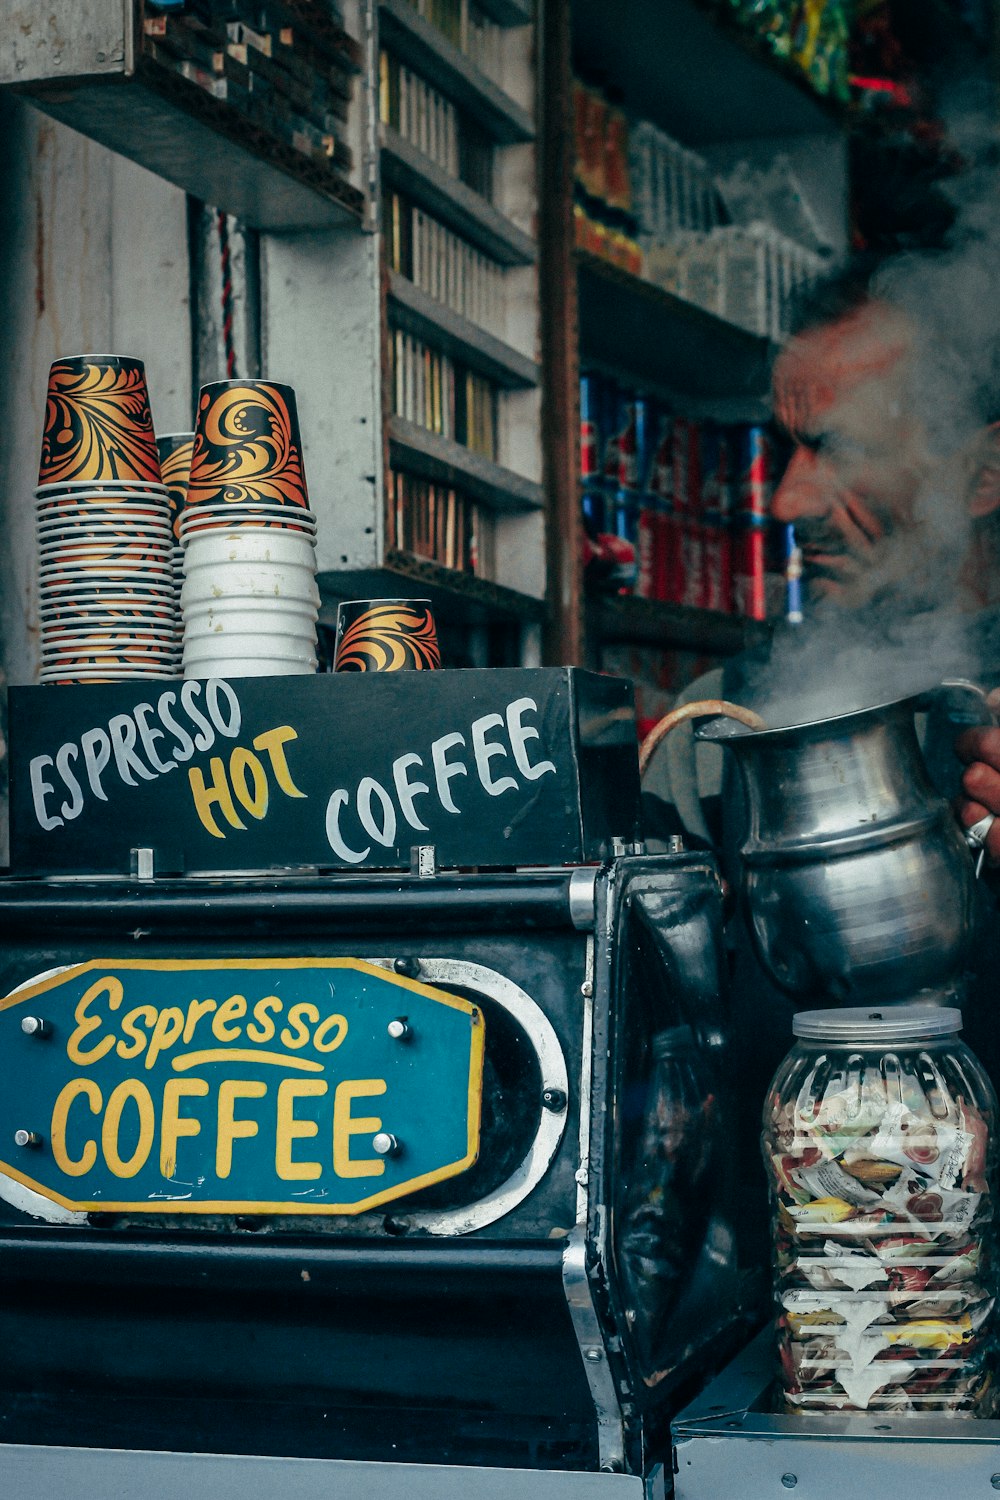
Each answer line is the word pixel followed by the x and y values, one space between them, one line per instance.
pixel 629 324
pixel 430 456
pixel 428 52
pixel 509 12
pixel 648 622
pixel 173 128
pixel 91 76
pixel 724 83
pixel 415 312
pixel 461 597
pixel 408 169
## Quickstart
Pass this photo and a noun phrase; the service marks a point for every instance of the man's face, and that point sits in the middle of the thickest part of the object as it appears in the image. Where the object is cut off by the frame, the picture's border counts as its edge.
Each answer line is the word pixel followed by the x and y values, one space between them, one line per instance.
pixel 860 457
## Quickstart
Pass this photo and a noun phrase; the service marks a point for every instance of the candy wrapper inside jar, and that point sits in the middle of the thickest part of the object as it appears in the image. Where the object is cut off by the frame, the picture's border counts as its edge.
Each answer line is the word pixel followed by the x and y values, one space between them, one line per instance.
pixel 881 1169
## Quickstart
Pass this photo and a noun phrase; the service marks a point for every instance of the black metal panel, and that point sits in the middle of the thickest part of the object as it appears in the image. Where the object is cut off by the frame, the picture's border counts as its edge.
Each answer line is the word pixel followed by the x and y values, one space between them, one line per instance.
pixel 342 770
pixel 376 1356
pixel 667 1284
pixel 356 1337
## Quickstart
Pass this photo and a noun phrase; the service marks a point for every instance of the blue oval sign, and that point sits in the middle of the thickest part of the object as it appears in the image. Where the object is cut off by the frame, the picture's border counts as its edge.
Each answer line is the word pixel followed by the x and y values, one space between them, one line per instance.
pixel 271 1086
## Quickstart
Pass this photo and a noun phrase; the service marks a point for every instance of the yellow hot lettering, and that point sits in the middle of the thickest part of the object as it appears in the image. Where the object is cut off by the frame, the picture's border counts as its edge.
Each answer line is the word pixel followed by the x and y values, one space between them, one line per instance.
pixel 244 779
pixel 273 742
pixel 290 1129
pixel 245 768
pixel 346 1125
pixel 111 1128
pixel 206 796
pixel 76 1088
pixel 173 1124
pixel 231 1129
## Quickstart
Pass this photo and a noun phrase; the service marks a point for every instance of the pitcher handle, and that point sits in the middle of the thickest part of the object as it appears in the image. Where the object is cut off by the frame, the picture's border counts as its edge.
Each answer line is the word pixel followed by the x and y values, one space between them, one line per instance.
pixel 979 713
pixel 704 708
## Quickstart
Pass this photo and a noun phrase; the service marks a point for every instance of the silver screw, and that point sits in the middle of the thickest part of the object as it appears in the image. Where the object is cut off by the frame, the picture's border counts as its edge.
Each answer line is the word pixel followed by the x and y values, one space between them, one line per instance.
pixel 27 1138
pixel 789 1481
pixel 399 1029
pixel 385 1144
pixel 593 1355
pixel 35 1026
pixel 586 989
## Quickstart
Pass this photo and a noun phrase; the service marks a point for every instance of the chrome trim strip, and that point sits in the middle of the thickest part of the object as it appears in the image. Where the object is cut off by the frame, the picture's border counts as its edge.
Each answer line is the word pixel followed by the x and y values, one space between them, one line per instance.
pixel 610 1433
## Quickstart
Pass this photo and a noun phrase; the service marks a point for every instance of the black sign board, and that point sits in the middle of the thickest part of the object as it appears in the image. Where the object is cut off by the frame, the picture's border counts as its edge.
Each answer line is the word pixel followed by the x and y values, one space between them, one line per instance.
pixel 492 768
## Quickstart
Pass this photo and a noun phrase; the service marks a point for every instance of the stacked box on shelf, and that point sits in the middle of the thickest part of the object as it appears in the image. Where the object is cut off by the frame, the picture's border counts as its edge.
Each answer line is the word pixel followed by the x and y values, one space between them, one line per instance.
pixel 288 74
pixel 749 275
pixel 425 118
pixel 435 392
pixel 442 263
pixel 467 27
pixel 440 523
pixel 677 510
pixel 602 210
pixel 430 385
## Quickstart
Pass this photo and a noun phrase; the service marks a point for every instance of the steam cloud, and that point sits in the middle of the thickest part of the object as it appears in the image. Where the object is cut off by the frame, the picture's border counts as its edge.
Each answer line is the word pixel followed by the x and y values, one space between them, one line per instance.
pixel 920 624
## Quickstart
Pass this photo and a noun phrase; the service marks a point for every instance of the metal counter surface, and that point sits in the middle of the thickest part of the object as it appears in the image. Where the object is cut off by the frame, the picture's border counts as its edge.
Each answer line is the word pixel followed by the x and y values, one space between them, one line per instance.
pixel 71 1473
pixel 726 1443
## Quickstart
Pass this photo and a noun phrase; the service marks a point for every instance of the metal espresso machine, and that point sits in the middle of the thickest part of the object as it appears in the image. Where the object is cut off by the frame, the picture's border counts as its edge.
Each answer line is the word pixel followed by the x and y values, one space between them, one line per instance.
pixel 880 1128
pixel 361 1094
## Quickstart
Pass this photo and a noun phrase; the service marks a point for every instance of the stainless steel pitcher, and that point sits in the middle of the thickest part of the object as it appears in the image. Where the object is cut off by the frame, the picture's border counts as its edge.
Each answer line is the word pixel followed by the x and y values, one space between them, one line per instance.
pixel 857 879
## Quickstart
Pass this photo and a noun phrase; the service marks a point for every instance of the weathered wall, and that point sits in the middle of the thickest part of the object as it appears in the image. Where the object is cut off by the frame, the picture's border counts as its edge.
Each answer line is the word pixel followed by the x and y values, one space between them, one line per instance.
pixel 93 259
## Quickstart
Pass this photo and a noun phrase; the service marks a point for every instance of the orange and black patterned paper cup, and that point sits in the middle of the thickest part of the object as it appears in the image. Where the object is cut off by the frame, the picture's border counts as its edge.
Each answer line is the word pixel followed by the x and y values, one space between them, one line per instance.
pixel 247 449
pixel 175 450
pixel 98 425
pixel 386 635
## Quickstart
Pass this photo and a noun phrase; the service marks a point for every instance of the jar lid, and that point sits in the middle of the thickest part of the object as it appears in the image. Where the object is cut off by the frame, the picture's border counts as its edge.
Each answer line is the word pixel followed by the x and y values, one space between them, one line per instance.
pixel 873 1024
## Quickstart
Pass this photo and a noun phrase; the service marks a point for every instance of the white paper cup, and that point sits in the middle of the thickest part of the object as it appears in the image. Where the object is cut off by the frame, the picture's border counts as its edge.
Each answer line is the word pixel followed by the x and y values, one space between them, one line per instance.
pixel 247 643
pixel 249 581
pixel 251 544
pixel 260 605
pixel 254 666
pixel 223 619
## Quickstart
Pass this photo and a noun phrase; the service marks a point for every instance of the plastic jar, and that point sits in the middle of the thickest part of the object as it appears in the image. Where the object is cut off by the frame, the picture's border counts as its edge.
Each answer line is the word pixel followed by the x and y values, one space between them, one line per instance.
pixel 880 1146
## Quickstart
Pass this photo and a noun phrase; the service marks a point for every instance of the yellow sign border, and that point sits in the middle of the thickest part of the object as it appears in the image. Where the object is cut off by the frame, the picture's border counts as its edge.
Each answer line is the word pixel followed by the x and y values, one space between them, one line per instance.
pixel 255 1206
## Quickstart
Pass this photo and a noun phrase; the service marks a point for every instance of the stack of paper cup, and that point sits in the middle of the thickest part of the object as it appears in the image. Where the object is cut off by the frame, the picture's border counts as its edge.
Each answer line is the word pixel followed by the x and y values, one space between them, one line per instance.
pixel 108 601
pixel 249 599
pixel 175 450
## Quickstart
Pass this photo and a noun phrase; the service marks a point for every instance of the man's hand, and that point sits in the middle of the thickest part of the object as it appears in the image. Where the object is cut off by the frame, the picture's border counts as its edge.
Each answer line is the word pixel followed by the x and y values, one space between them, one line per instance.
pixel 979 750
